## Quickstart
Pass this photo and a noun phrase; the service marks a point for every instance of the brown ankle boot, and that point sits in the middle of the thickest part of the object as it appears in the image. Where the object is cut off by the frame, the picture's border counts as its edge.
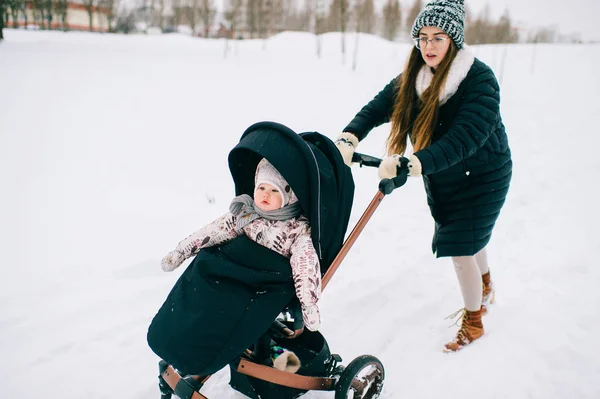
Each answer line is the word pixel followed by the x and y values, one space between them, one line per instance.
pixel 471 329
pixel 488 293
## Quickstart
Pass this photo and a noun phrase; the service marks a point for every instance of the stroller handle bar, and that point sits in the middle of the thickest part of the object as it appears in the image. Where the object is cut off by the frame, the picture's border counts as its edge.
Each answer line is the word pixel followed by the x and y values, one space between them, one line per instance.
pixel 386 186
pixel 366 160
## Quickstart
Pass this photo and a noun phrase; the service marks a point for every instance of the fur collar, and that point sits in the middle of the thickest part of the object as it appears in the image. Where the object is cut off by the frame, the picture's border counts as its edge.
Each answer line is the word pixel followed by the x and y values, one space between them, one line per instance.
pixel 458 72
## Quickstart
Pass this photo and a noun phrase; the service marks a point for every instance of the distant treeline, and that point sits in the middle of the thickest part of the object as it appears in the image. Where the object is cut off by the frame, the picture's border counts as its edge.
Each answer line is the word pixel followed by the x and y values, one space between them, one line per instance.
pixel 243 19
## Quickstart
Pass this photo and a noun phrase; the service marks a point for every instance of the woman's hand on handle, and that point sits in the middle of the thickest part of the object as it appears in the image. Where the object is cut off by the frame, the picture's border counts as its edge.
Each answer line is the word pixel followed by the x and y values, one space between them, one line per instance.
pixel 346 144
pixel 390 166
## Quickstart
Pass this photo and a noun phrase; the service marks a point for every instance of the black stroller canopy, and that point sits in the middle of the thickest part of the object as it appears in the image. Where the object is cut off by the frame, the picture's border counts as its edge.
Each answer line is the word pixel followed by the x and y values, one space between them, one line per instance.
pixel 312 166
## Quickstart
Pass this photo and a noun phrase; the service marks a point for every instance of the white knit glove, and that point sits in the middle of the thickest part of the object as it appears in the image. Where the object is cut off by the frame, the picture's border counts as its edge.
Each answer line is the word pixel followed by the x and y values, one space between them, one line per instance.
pixel 346 144
pixel 388 168
pixel 311 317
pixel 172 261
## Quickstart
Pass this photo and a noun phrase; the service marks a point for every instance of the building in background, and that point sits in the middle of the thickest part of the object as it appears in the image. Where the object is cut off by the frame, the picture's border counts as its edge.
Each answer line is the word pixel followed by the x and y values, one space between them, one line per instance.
pixel 83 15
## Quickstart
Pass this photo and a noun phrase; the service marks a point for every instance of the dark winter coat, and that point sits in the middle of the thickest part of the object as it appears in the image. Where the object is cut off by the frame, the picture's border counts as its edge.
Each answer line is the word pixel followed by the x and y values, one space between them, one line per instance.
pixel 467 168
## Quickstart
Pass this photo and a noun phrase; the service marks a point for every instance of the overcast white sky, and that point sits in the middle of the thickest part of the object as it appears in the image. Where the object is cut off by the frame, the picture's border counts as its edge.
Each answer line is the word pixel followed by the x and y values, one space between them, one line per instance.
pixel 570 16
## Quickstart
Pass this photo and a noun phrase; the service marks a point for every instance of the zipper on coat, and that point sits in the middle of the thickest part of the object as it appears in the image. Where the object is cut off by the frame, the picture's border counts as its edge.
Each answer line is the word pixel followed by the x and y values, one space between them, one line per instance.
pixel 318 201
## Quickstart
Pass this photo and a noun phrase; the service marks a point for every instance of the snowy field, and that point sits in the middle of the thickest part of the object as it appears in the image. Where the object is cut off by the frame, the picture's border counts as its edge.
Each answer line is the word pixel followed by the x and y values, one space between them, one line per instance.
pixel 114 148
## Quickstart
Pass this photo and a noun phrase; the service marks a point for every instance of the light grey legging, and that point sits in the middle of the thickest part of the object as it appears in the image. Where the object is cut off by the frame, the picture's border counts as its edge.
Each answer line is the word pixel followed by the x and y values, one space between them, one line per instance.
pixel 469 270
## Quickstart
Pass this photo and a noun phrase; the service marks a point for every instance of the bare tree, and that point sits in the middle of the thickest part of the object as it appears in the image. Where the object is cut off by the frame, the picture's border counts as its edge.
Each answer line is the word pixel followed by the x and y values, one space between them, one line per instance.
pixel 3 14
pixel 338 20
pixel 161 14
pixel 480 31
pixel 298 19
pixel 278 14
pixel 392 19
pixel 192 15
pixel 152 13
pixel 47 11
pixel 320 16
pixel 252 10
pixel 111 7
pixel 15 7
pixel 37 12
pixel 177 14
pixel 61 11
pixel 338 16
pixel 264 19
pixel 207 15
pixel 320 21
pixel 413 13
pixel 504 31
pixel 125 21
pixel 233 14
pixel 186 13
pixel 544 35
pixel 291 16
pixel 364 11
pixel 268 17
pixel 23 9
pixel 89 6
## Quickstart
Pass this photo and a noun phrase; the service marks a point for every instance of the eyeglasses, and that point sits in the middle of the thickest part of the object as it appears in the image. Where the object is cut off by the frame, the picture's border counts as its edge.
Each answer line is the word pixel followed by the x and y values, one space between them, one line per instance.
pixel 422 42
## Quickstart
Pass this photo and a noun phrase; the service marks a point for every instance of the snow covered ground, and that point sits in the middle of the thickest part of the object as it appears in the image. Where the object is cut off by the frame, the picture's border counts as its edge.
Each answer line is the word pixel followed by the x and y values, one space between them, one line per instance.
pixel 113 148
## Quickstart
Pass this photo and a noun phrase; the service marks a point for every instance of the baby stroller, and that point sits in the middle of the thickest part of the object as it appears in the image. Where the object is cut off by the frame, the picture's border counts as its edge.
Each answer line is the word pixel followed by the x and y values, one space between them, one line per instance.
pixel 227 305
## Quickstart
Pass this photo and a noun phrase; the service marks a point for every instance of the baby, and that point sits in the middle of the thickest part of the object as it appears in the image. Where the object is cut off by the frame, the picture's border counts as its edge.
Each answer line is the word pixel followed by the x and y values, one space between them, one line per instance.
pixel 274 219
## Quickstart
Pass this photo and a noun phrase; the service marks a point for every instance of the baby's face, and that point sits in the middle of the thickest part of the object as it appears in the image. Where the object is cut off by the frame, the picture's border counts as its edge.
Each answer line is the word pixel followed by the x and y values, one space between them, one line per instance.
pixel 267 197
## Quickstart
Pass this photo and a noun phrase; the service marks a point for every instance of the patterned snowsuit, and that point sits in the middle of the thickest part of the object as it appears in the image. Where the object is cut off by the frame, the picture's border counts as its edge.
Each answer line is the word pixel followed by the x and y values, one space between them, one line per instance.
pixel 290 238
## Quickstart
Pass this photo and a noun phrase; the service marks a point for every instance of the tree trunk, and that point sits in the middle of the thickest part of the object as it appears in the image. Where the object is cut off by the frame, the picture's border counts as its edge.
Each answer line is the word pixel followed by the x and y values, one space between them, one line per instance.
pixel 15 15
pixel 343 29
pixel 533 57
pixel 2 12
pixel 319 13
pixel 161 17
pixel 151 16
pixel 111 16
pixel 90 10
pixel 49 15
pixel 355 56
pixel 24 12
pixel 194 12
pixel 42 15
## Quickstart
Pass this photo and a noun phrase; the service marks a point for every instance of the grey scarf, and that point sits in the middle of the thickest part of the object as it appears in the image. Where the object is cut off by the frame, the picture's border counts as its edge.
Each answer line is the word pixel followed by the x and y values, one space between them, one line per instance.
pixel 246 211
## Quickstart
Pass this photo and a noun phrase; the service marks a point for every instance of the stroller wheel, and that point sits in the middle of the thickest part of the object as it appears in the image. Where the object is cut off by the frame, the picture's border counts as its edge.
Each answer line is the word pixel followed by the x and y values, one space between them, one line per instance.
pixel 361 379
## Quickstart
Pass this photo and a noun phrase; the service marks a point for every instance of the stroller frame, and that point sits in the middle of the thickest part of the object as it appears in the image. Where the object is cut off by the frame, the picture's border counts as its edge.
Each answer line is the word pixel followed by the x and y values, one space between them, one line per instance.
pixel 342 379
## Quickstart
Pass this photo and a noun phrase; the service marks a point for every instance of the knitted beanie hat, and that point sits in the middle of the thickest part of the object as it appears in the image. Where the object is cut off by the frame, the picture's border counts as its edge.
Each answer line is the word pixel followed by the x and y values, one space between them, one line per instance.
pixel 448 15
pixel 266 173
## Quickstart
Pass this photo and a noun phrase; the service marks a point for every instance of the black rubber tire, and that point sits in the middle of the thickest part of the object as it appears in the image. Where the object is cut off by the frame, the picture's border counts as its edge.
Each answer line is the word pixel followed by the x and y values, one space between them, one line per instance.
pixel 352 370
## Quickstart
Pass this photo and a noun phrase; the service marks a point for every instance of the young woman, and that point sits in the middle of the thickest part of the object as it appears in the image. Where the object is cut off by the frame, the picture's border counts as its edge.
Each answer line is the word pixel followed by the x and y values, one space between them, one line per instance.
pixel 447 103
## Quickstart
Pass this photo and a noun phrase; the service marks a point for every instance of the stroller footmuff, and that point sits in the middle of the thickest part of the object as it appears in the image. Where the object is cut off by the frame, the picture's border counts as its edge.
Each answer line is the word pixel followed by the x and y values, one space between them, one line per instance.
pixel 220 305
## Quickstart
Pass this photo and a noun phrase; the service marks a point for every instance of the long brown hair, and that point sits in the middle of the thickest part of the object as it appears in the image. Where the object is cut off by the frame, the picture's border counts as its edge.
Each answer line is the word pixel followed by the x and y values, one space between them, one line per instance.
pixel 427 107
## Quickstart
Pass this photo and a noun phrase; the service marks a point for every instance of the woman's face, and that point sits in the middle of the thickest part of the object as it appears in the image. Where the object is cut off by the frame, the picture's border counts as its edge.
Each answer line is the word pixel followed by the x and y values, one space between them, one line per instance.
pixel 434 44
pixel 267 197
